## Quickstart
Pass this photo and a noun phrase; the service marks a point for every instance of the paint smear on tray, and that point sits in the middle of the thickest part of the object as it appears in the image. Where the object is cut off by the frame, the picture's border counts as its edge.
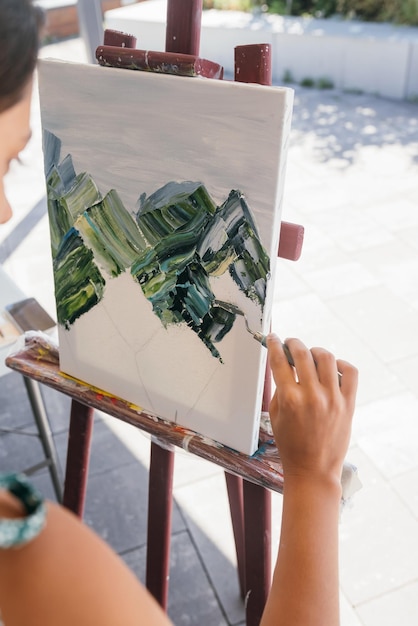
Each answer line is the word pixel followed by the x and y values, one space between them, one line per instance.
pixel 172 244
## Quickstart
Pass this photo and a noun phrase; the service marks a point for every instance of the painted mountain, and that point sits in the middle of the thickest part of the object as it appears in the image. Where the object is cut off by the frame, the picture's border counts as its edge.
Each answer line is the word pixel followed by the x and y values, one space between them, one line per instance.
pixel 174 241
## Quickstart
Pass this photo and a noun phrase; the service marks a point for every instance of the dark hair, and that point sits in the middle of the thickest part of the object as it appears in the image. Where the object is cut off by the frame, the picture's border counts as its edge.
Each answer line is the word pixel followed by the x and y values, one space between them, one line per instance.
pixel 20 23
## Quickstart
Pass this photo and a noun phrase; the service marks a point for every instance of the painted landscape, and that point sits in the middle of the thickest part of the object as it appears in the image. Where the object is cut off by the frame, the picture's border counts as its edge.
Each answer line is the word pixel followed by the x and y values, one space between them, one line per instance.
pixel 176 240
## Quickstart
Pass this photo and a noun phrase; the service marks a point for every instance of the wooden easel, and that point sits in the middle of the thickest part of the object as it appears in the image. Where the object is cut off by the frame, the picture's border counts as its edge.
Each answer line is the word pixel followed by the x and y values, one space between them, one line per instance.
pixel 250 503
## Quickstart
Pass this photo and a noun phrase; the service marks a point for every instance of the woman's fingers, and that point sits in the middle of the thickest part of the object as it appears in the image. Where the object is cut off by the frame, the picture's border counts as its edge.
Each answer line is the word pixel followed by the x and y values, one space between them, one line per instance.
pixel 281 370
pixel 326 367
pixel 312 366
pixel 303 360
pixel 349 381
pixel 312 408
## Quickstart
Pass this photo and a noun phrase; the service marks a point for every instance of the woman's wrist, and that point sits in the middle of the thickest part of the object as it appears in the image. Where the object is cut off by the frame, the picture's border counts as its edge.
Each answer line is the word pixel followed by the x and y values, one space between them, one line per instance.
pixel 329 484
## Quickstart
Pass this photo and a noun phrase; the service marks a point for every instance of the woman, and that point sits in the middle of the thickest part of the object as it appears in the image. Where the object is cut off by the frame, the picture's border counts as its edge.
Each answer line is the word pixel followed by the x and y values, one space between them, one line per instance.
pixel 19 33
pixel 54 570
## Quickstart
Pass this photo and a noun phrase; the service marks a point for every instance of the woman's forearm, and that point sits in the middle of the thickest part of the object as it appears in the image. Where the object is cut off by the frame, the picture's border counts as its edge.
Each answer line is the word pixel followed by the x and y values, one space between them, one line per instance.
pixel 67 575
pixel 305 590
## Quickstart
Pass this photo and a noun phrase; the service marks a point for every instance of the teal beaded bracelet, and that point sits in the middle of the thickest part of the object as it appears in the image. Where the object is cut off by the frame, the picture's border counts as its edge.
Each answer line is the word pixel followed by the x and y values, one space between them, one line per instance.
pixel 19 531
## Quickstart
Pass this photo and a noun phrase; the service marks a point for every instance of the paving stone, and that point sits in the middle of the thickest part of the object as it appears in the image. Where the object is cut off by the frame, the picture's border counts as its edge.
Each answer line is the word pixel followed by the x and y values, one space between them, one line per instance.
pixel 106 453
pixel 117 505
pixel 398 607
pixel 191 601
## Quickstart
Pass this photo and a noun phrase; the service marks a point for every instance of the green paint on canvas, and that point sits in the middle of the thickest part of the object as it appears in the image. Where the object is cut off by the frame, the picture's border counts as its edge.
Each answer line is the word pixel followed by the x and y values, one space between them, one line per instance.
pixel 79 286
pixel 176 242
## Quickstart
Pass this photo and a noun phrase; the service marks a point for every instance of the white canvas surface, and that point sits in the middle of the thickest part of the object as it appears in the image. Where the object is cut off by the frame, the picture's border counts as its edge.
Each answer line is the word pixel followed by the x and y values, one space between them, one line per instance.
pixel 134 132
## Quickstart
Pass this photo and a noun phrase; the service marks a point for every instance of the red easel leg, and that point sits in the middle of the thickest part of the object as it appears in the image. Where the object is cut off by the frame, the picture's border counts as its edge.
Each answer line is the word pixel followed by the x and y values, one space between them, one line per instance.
pixel 260 521
pixel 253 64
pixel 236 507
pixel 160 507
pixel 257 550
pixel 78 457
pixel 183 26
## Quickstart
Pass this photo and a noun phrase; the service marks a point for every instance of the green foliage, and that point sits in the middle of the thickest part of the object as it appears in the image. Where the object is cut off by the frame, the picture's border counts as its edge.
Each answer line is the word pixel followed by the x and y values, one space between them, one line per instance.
pixel 320 83
pixel 321 8
pixel 307 82
pixel 324 83
pixel 396 11
pixel 325 8
pixel 231 5
pixel 401 12
pixel 365 9
pixel 277 6
pixel 288 77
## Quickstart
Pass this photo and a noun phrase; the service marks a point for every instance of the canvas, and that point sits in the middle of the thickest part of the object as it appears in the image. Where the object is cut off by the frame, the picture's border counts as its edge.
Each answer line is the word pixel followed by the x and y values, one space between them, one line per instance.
pixel 164 200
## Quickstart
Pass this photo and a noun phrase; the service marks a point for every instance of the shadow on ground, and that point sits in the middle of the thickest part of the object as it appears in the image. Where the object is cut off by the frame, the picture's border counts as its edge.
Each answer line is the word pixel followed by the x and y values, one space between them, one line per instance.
pixel 340 123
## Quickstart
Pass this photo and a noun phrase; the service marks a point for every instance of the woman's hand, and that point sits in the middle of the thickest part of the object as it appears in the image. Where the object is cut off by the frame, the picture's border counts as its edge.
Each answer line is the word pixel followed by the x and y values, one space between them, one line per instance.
pixel 311 410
